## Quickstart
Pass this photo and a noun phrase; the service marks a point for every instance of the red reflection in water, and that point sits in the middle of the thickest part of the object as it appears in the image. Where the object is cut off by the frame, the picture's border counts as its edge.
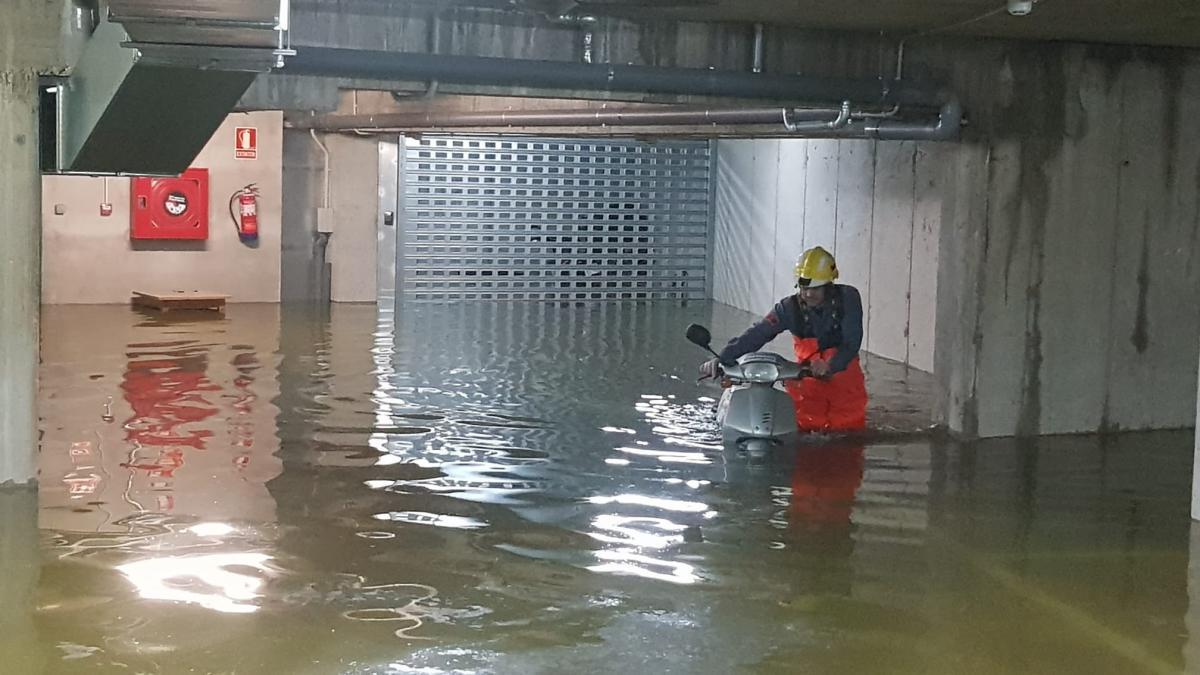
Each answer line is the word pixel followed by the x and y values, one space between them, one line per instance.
pixel 166 392
pixel 824 484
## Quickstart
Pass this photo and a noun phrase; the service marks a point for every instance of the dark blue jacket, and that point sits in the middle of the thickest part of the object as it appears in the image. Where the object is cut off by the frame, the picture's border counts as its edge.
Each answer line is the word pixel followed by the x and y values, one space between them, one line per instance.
pixel 837 322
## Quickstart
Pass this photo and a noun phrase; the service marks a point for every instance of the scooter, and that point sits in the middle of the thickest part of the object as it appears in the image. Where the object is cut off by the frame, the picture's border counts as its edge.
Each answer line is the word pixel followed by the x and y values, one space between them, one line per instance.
pixel 753 413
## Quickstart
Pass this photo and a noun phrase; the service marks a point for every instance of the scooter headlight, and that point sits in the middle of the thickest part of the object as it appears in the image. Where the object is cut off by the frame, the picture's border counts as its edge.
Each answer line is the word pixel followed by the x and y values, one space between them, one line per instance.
pixel 760 372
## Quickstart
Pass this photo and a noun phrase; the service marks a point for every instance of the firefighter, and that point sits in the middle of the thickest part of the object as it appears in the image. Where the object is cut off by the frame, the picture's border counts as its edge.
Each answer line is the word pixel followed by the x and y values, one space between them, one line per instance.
pixel 826 322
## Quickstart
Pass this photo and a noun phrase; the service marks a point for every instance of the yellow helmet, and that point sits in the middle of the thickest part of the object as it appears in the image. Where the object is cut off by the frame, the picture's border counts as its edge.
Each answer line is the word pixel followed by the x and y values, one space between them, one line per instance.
pixel 816 267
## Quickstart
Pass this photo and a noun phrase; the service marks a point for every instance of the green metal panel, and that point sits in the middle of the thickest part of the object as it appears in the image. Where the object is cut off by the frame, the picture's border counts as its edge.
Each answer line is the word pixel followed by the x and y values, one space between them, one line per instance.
pixel 128 114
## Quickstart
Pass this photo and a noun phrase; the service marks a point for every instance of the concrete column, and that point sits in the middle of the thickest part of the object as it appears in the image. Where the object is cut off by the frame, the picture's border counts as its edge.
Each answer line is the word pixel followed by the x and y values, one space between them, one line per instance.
pixel 20 272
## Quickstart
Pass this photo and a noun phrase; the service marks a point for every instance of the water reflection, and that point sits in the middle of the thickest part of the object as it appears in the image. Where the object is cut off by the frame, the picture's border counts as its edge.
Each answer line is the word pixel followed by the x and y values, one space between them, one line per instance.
pixel 192 399
pixel 230 591
pixel 534 488
pixel 18 583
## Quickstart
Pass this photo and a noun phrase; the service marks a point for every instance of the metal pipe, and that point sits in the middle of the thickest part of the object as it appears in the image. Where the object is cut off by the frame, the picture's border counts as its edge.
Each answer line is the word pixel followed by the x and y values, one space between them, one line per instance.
pixel 890 112
pixel 324 169
pixel 842 119
pixel 324 268
pixel 490 71
pixel 947 127
pixel 196 22
pixel 757 57
pixel 572 118
pixel 283 22
pixel 812 122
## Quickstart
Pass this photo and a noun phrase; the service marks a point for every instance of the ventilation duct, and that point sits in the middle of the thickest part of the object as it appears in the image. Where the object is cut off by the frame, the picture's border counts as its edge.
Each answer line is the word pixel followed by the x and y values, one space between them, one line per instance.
pixel 159 76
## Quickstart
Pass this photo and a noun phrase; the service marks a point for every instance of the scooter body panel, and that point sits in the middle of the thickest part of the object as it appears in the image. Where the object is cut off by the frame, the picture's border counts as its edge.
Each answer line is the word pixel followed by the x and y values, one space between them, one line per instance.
pixel 756 411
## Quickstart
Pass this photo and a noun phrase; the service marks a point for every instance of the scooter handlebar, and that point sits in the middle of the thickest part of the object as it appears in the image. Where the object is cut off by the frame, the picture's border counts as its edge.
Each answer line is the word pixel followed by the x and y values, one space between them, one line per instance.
pixel 788 370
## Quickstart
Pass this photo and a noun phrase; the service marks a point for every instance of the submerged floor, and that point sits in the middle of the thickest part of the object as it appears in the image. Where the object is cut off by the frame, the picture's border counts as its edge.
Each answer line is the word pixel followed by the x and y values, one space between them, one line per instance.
pixel 527 488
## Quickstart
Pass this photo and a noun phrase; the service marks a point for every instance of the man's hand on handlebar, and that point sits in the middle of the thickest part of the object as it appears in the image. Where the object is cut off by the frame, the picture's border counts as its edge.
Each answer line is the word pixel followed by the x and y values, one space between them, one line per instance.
pixel 819 369
pixel 710 369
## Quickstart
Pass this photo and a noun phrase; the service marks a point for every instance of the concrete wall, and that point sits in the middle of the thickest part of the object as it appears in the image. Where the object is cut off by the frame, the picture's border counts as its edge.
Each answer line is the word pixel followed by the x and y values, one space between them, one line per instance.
pixel 353 184
pixel 354 196
pixel 1072 220
pixel 301 274
pixel 876 206
pixel 89 259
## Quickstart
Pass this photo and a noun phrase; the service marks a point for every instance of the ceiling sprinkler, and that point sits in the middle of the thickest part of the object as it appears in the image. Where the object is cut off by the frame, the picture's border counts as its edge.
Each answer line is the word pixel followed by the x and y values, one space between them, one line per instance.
pixel 1020 7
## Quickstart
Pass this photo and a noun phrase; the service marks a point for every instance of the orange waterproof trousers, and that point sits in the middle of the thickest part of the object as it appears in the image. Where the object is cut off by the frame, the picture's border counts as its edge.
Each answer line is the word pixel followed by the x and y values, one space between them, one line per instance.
pixel 836 404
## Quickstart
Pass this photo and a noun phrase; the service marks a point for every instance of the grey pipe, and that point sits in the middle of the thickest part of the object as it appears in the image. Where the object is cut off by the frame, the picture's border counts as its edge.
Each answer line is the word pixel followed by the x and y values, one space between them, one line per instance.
pixel 574 118
pixel 489 71
pixel 757 54
pixel 947 128
pixel 809 122
pixel 194 22
pixel 324 268
pixel 839 122
pixel 890 112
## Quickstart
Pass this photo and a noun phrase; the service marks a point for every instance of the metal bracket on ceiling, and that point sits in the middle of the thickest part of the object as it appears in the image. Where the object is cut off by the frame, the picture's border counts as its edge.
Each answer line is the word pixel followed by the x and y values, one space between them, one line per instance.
pixel 283 25
pixel 564 15
pixel 224 28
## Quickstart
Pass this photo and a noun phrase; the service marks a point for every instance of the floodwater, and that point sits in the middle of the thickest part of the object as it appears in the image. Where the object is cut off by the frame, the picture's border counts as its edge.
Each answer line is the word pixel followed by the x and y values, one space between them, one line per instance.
pixel 539 489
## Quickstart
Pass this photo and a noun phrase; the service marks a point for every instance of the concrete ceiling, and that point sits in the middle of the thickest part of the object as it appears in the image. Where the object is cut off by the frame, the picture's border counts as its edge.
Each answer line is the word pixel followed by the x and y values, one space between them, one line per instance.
pixel 1149 22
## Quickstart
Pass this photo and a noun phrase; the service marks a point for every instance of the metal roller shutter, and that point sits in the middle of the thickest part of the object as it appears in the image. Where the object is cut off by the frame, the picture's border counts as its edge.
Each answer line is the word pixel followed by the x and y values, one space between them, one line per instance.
pixel 503 217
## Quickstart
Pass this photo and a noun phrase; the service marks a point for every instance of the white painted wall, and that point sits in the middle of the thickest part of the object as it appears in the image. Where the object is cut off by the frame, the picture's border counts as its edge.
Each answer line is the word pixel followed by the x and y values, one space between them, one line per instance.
pixel 89 259
pixel 353 199
pixel 744 255
pixel 876 206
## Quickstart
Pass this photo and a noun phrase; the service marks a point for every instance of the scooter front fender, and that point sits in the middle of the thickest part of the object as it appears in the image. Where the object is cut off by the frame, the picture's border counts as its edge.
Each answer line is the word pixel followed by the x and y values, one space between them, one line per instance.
pixel 756 411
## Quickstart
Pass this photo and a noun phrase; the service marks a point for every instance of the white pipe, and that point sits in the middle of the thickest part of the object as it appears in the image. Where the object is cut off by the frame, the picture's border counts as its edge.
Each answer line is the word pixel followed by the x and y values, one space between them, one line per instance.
pixel 325 170
pixel 285 16
pixel 757 55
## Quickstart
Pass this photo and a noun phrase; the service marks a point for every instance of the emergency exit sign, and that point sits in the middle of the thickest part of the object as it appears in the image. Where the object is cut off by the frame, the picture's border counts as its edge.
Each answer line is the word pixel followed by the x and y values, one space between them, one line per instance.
pixel 245 143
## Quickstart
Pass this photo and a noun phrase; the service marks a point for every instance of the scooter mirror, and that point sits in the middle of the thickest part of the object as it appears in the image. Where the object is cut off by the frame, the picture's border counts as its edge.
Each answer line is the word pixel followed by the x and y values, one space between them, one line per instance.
pixel 699 335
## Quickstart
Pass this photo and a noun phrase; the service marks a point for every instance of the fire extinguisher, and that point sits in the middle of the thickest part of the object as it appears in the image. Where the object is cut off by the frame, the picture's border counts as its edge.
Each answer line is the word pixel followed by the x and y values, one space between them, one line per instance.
pixel 246 217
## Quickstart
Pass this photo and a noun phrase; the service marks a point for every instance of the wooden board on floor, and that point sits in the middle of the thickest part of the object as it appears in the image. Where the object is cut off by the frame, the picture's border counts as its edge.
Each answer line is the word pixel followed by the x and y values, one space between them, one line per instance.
pixel 165 302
